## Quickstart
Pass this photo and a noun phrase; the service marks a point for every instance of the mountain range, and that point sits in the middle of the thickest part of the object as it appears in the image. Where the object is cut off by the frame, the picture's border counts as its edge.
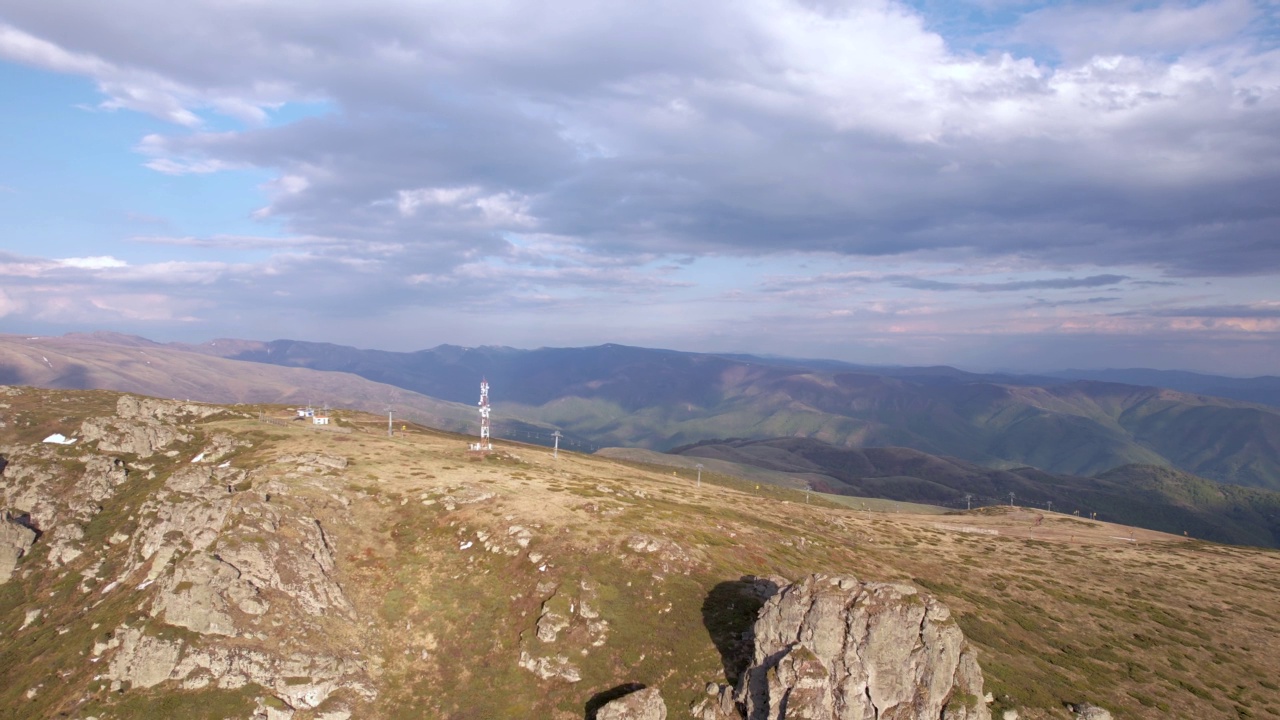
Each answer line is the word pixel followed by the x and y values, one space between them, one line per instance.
pixel 661 399
pixel 1143 495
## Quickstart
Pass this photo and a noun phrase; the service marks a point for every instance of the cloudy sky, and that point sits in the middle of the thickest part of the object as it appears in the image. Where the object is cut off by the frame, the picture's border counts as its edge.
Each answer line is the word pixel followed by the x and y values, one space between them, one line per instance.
pixel 985 183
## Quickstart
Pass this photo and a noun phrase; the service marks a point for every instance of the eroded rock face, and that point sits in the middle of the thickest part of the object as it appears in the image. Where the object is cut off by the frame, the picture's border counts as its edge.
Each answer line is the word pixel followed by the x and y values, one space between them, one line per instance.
pixel 643 704
pixel 836 648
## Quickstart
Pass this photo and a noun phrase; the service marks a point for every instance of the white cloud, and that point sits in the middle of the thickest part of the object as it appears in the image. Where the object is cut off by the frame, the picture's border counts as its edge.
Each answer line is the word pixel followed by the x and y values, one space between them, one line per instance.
pixel 474 153
pixel 97 262
pixel 498 210
pixel 1081 31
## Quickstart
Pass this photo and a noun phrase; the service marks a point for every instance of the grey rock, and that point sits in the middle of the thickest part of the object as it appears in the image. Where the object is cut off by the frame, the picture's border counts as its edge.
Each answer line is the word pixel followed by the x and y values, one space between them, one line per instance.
pixel 195 596
pixel 643 704
pixel 146 408
pixel 720 705
pixel 835 648
pixel 550 668
pixel 143 660
pixel 1089 711
pixel 15 540
pixel 143 438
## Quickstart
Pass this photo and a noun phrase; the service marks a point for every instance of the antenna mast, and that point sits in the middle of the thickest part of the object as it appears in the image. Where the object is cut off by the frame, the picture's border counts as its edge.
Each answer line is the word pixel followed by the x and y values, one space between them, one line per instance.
pixel 485 442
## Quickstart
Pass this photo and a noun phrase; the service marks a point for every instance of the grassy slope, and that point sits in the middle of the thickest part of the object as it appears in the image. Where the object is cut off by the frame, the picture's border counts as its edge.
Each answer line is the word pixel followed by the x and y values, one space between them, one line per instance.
pixel 1148 625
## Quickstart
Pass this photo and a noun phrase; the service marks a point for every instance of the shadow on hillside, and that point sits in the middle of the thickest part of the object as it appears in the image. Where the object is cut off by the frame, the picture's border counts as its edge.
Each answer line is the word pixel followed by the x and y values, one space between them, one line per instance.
pixel 728 613
pixel 9 375
pixel 601 699
pixel 75 377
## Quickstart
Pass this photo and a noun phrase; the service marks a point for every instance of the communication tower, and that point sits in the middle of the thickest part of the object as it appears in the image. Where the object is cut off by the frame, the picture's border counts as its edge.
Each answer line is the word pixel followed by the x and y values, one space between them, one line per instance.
pixel 485 443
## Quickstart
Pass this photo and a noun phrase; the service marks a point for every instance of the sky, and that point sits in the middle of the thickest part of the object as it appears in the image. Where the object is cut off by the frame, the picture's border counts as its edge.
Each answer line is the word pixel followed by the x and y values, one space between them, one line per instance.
pixel 991 184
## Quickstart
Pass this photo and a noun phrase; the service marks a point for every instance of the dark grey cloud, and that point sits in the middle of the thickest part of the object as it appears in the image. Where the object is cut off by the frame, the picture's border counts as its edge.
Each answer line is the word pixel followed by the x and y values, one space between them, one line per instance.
pixel 1092 281
pixel 1041 302
pixel 923 283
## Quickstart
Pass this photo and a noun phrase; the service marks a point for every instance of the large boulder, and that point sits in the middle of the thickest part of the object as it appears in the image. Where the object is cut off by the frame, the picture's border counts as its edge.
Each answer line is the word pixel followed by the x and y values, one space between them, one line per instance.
pixel 643 704
pixel 15 540
pixel 836 648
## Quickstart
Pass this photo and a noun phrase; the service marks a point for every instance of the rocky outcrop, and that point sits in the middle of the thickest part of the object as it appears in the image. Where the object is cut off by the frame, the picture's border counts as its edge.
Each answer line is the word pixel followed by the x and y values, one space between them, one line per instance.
pixel 27 487
pixel 303 680
pixel 143 438
pixel 643 704
pixel 144 426
pixel 15 540
pixel 132 407
pixel 835 648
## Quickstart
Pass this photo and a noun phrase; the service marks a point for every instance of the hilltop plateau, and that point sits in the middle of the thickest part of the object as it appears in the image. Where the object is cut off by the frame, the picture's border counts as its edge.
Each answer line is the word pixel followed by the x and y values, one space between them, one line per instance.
pixel 192 560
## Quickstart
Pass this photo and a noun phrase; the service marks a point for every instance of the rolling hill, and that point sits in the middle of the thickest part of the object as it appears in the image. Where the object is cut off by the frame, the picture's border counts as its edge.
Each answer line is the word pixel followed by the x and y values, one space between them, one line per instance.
pixel 660 399
pixel 1143 495
pixel 614 395
pixel 1264 389
pixel 129 364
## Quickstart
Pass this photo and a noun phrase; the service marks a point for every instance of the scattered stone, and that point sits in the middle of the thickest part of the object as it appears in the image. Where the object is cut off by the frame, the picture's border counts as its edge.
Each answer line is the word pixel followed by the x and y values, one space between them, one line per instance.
pixel 643 704
pixel 318 461
pixel 550 668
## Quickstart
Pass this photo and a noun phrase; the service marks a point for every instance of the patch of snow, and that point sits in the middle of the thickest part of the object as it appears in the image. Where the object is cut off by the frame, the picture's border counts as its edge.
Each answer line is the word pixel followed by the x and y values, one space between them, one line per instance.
pixel 32 616
pixel 59 439
pixel 144 585
pixel 225 464
pixel 197 458
pixel 465 545
pixel 110 586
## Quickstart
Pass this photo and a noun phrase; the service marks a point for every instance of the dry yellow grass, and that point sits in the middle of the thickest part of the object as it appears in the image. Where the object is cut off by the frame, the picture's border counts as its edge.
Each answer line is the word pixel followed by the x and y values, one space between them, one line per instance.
pixel 1145 624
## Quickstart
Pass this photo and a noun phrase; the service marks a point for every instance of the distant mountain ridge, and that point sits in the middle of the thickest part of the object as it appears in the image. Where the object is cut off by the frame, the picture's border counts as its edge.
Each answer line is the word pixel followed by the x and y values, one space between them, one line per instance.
pixel 1143 495
pixel 131 364
pixel 616 395
pixel 1264 389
